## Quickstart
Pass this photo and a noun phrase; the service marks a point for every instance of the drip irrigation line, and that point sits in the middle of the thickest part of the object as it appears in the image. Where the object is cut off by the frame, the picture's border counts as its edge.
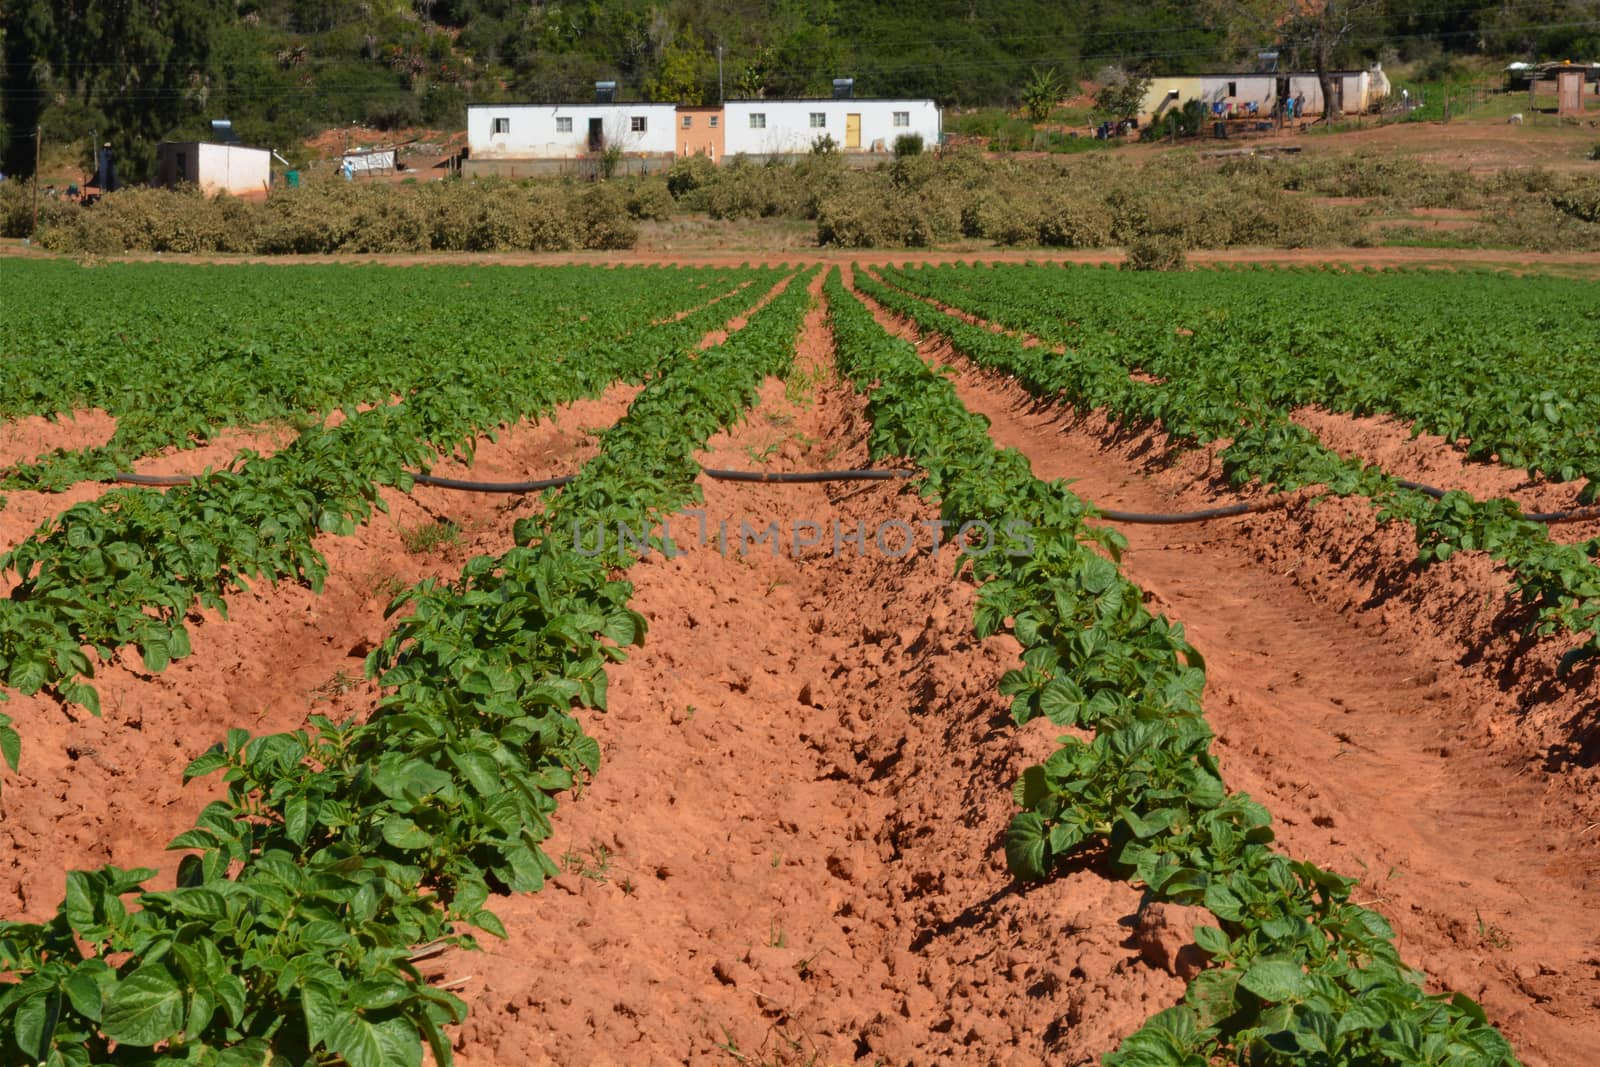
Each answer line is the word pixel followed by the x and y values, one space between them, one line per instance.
pixel 1232 510
pixel 1137 518
pixel 1145 518
pixel 493 487
pixel 808 477
pixel 774 477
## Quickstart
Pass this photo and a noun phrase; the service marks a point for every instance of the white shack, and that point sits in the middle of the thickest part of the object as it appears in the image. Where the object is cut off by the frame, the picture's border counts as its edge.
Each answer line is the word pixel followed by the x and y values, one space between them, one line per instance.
pixel 215 168
pixel 790 127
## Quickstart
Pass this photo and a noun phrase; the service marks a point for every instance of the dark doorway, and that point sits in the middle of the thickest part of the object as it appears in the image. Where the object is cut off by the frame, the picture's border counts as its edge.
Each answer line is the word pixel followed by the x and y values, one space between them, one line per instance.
pixel 597 135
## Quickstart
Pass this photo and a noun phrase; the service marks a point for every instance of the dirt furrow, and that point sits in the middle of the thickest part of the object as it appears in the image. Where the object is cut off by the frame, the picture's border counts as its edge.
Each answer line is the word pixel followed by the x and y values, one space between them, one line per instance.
pixel 1396 446
pixel 25 439
pixel 102 790
pixel 1370 744
pixel 792 851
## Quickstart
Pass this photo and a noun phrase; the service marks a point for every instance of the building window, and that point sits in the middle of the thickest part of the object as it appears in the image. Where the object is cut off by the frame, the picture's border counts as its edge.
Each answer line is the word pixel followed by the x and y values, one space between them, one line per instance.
pixel 688 122
pixel 818 120
pixel 1233 88
pixel 636 123
pixel 758 120
pixel 713 122
pixel 564 125
pixel 902 118
pixel 502 125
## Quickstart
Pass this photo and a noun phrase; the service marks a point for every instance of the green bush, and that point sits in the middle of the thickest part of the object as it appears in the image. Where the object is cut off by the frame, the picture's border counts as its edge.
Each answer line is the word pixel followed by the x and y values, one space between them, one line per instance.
pixel 1157 252
pixel 689 175
pixel 648 198
pixel 908 144
pixel 1073 218
pixel 860 218
pixel 480 216
pixel 606 221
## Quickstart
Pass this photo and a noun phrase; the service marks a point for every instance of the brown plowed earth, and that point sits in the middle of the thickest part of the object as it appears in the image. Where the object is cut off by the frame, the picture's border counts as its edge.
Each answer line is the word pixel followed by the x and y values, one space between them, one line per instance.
pixel 1392 735
pixel 792 851
pixel 738 322
pixel 25 509
pixel 1514 260
pixel 679 316
pixel 102 790
pixel 1469 600
pixel 219 451
pixel 1389 443
pixel 31 436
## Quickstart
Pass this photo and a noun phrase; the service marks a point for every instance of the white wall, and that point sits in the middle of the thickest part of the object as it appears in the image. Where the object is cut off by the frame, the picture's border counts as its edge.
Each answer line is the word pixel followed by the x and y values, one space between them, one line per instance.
pixel 234 168
pixel 788 126
pixel 1356 89
pixel 533 133
pixel 1362 89
pixel 1261 88
pixel 215 167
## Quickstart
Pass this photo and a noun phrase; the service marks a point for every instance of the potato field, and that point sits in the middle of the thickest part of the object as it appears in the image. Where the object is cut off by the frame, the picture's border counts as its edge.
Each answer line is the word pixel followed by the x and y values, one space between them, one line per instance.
pixel 450 664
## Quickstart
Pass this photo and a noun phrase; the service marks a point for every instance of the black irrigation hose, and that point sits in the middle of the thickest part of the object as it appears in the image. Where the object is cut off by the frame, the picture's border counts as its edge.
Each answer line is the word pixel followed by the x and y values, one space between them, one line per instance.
pixel 1144 518
pixel 1139 518
pixel 807 477
pixel 493 487
pixel 777 477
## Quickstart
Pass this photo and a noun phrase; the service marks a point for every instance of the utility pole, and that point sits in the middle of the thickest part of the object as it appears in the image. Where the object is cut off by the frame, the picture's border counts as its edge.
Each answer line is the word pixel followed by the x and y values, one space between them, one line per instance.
pixel 720 98
pixel 38 137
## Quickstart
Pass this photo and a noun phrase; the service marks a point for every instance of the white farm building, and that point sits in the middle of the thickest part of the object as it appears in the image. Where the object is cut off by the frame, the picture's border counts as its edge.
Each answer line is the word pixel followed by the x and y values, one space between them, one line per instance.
pixel 524 139
pixel 568 131
pixel 1260 93
pixel 790 127
pixel 215 168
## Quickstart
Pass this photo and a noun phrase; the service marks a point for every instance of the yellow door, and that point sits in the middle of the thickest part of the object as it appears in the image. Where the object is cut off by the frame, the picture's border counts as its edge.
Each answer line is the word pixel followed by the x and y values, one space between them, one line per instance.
pixel 852 131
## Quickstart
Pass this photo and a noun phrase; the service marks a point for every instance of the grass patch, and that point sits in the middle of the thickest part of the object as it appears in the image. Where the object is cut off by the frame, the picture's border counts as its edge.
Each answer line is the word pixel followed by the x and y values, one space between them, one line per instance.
pixel 429 537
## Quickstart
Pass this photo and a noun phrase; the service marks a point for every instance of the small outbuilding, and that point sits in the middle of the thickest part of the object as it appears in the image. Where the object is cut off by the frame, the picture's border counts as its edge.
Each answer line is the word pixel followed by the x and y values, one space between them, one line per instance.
pixel 215 168
pixel 368 161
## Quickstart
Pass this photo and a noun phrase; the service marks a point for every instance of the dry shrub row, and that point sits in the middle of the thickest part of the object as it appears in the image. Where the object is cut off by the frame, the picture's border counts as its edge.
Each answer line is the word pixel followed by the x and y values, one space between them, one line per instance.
pixel 1177 201
pixel 480 216
pixel 1089 202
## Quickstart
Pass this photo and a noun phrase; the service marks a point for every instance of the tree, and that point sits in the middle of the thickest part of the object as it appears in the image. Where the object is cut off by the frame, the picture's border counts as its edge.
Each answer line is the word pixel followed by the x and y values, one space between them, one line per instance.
pixel 1041 93
pixel 685 71
pixel 1122 97
pixel 1313 33
pixel 133 70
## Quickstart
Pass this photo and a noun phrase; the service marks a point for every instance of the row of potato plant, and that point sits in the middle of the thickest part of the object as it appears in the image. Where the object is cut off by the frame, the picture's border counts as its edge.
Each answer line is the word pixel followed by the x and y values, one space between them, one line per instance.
pixel 339 848
pixel 1299 973
pixel 129 567
pixel 1558 584
pixel 1501 362
pixel 176 352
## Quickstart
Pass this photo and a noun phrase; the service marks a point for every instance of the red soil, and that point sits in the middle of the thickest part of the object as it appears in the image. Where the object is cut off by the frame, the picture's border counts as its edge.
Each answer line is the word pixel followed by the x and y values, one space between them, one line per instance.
pixel 26 439
pixel 1586 263
pixel 1376 710
pixel 1429 458
pixel 108 790
pixel 793 847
